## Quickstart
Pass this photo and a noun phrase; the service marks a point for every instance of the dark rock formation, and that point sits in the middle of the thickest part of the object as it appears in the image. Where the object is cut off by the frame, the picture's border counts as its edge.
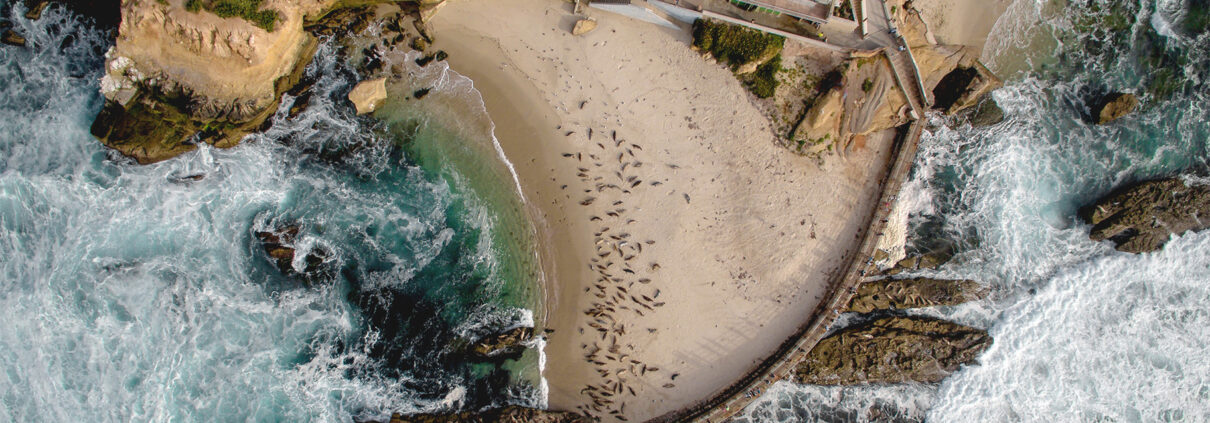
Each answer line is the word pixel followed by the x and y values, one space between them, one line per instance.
pixel 962 87
pixel 1113 106
pixel 893 350
pixel 891 294
pixel 12 38
pixel 987 113
pixel 279 245
pixel 507 344
pixel 930 260
pixel 35 8
pixel 508 414
pixel 350 20
pixel 1141 217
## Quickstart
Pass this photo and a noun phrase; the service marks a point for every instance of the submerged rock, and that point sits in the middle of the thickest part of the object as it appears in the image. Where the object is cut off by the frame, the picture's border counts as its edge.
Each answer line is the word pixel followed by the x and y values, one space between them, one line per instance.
pixel 583 26
pixel 280 246
pixel 12 38
pixel 1114 106
pixel 508 414
pixel 35 9
pixel 506 344
pixel 893 350
pixel 987 113
pixel 1143 216
pixel 892 294
pixel 368 95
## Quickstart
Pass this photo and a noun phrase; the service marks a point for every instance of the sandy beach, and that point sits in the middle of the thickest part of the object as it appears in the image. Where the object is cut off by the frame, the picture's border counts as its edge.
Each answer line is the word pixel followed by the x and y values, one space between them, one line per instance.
pixel 681 244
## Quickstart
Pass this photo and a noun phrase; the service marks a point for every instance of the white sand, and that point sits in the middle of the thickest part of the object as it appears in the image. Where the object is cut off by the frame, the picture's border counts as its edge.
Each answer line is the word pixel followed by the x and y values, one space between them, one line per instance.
pixel 960 22
pixel 738 239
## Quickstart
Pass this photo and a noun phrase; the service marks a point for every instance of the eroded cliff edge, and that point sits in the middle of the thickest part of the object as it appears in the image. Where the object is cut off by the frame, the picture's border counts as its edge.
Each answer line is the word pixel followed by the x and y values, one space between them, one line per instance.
pixel 180 74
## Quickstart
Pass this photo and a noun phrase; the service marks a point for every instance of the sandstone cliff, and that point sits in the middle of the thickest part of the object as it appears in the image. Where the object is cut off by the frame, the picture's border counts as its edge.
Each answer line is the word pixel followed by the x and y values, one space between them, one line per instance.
pixel 176 77
pixel 893 350
pixel 1142 217
pixel 865 100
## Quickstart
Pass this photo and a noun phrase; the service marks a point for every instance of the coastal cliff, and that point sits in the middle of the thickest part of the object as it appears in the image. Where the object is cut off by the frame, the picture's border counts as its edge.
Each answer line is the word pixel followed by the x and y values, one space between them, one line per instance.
pixel 181 73
pixel 1142 217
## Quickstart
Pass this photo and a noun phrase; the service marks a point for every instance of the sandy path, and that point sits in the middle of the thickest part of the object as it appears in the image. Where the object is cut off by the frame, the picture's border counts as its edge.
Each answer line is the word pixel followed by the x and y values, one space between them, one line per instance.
pixel 681 245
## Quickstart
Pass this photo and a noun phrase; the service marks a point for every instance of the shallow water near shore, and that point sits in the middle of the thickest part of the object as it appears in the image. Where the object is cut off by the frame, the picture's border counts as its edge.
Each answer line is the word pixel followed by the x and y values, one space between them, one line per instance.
pixel 1082 332
pixel 141 293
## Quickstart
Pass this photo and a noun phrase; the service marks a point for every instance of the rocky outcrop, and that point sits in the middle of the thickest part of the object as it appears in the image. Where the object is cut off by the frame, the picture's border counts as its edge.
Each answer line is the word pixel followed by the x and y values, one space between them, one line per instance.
pixel 173 74
pixel 1143 216
pixel 987 113
pixel 930 260
pixel 368 95
pixel 865 99
pixel 893 350
pixel 12 38
pixel 892 294
pixel 281 248
pixel 1113 106
pixel 506 344
pixel 583 26
pixel 508 414
pixel 962 88
pixel 175 77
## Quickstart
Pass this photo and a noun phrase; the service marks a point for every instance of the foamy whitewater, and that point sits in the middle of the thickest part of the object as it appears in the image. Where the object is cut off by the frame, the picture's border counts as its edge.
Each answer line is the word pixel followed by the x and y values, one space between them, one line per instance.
pixel 1082 332
pixel 133 293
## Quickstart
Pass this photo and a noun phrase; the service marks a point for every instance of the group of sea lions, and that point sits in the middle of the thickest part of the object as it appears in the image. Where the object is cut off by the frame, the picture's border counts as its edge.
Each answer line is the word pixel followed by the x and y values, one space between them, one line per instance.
pixel 611 169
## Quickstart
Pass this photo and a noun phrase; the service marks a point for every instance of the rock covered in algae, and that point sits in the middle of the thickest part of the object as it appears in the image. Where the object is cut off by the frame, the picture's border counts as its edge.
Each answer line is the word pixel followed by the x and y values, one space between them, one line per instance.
pixel 893 350
pixel 891 294
pixel 1142 217
pixel 505 344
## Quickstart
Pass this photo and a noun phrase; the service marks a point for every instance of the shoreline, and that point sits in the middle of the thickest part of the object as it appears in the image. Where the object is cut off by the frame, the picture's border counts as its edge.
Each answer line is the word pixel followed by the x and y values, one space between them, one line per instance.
pixel 544 90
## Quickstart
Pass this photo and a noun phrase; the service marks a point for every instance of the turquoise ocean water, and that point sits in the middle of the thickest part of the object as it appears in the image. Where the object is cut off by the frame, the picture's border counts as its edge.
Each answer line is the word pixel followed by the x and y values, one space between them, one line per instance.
pixel 1083 333
pixel 130 294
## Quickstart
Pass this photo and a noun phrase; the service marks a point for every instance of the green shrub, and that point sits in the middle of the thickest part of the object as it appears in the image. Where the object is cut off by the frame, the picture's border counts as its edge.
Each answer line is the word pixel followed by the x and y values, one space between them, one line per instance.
pixel 249 10
pixel 734 44
pixel 764 80
pixel 867 85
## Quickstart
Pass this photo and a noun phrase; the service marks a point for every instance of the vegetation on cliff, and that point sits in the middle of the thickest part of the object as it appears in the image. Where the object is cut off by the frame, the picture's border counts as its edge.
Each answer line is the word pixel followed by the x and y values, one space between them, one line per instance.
pixel 249 10
pixel 764 81
pixel 748 52
pixel 733 44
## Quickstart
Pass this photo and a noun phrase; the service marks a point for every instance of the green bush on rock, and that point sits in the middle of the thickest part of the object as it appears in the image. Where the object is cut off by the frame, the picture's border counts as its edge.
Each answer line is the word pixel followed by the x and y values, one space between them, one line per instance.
pixel 764 80
pixel 249 10
pixel 735 45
